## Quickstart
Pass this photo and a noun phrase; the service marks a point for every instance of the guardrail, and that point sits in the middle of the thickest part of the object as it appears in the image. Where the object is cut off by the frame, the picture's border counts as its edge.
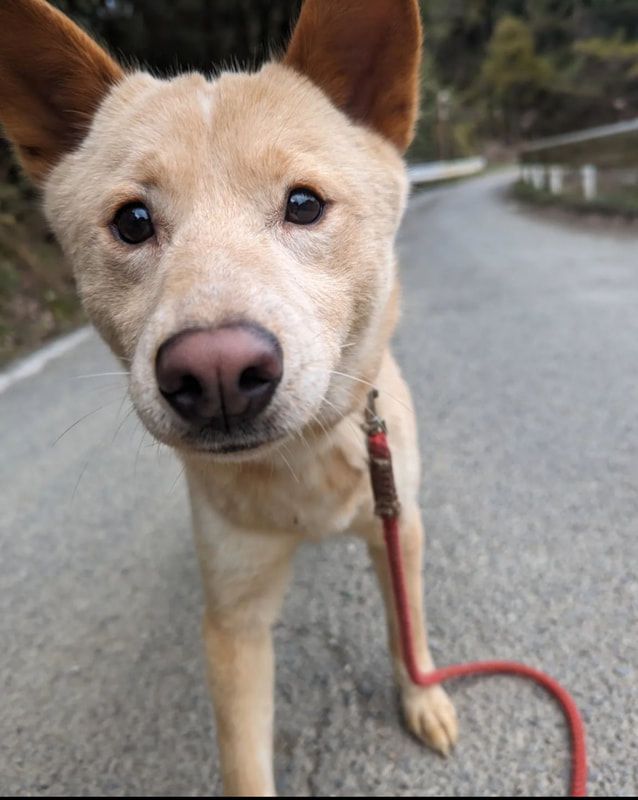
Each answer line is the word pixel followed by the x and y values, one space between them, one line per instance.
pixel 438 171
pixel 598 158
pixel 589 135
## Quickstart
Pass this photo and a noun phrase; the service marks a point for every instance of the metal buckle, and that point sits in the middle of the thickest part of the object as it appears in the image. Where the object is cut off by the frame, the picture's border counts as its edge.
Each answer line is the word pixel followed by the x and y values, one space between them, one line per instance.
pixel 373 423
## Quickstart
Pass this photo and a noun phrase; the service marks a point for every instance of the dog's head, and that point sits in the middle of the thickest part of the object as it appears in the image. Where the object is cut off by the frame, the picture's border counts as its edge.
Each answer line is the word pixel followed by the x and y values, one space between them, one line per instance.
pixel 232 237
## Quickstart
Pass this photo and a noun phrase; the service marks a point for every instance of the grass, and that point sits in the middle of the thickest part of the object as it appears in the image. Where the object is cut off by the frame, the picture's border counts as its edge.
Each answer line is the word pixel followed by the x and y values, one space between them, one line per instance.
pixel 38 300
pixel 622 203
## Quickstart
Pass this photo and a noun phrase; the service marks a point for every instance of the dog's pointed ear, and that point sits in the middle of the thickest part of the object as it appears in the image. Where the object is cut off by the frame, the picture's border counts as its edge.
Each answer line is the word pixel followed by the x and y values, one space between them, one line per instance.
pixel 53 77
pixel 366 56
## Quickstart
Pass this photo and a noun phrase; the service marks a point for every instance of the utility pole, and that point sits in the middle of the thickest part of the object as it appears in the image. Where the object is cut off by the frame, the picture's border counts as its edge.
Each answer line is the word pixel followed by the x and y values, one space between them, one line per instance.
pixel 443 99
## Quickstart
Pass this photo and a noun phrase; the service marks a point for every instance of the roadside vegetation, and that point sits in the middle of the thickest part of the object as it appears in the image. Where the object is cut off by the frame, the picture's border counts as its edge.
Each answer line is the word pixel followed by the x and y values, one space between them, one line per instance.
pixel 37 292
pixel 619 204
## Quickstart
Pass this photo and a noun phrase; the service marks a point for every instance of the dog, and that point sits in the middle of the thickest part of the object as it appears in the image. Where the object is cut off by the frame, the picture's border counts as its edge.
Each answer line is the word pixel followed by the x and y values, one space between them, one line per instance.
pixel 233 243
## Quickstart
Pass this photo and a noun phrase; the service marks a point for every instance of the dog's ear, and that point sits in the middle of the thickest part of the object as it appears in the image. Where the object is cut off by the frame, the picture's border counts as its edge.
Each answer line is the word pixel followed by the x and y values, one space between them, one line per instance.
pixel 366 56
pixel 52 79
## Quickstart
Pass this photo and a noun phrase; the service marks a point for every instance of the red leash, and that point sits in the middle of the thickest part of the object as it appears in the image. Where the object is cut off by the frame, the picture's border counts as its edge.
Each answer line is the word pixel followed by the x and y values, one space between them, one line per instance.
pixel 388 508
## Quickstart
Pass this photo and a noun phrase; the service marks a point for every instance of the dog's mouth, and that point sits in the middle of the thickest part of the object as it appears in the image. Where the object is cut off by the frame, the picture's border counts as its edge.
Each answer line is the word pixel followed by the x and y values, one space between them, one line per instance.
pixel 248 443
pixel 236 448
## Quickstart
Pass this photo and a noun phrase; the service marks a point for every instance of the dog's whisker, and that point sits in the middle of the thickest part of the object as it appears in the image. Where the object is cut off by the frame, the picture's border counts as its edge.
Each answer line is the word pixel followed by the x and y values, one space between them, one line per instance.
pixel 119 411
pixel 123 422
pixel 316 418
pixel 79 480
pixel 158 450
pixel 300 435
pixel 364 383
pixel 289 465
pixel 355 435
pixel 332 405
pixel 87 464
pixel 351 426
pixel 177 479
pixel 109 387
pixel 139 447
pixel 82 419
pixel 102 375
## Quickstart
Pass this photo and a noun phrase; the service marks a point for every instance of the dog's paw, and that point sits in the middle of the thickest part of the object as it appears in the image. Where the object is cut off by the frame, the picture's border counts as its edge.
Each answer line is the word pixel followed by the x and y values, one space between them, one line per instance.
pixel 431 717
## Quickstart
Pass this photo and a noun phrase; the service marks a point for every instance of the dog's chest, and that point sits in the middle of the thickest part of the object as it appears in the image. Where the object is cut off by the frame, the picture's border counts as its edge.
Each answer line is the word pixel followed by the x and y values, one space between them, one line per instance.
pixel 313 496
pixel 326 498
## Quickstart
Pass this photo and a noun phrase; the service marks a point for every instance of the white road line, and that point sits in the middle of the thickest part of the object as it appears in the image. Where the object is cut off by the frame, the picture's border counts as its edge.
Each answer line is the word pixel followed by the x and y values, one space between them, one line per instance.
pixel 37 361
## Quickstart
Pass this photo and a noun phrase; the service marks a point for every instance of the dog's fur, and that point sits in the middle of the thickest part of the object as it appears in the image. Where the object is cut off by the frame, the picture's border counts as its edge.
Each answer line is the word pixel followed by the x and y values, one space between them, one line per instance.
pixel 214 160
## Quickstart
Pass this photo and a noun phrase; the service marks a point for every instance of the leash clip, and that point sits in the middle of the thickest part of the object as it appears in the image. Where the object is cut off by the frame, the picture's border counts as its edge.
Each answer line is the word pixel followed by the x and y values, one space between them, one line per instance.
pixel 386 499
pixel 373 425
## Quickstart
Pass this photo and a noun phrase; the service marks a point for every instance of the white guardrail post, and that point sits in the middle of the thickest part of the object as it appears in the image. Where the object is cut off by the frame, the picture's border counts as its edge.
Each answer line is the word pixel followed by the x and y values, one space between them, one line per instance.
pixel 589 176
pixel 538 177
pixel 556 179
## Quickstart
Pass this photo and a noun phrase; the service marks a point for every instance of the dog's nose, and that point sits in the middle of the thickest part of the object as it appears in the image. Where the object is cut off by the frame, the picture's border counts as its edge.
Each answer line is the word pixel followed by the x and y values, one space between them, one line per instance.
pixel 220 377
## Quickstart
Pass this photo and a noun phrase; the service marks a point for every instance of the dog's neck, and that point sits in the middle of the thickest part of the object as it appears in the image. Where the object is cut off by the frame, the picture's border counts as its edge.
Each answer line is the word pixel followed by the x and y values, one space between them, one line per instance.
pixel 307 486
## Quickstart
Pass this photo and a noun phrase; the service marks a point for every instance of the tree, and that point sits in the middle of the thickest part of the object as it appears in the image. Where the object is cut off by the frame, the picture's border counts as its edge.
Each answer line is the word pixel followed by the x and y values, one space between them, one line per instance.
pixel 198 34
pixel 513 75
pixel 609 68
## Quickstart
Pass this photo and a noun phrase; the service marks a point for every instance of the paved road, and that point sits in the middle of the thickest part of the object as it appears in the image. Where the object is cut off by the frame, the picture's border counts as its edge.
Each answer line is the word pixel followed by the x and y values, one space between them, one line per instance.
pixel 520 338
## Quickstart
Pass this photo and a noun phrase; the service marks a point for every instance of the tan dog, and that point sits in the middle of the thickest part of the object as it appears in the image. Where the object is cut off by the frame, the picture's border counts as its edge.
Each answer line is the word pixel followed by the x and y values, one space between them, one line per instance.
pixel 233 242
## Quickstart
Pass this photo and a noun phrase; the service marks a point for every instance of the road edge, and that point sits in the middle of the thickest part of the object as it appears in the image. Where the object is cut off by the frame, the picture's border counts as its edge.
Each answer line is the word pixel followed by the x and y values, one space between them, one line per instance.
pixel 36 362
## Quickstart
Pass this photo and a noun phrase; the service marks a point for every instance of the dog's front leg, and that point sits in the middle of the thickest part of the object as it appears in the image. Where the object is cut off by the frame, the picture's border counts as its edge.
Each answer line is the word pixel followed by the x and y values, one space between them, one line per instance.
pixel 241 671
pixel 429 713
pixel 245 576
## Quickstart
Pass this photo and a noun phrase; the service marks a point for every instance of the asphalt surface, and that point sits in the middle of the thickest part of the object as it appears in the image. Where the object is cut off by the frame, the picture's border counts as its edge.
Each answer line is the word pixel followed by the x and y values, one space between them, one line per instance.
pixel 520 338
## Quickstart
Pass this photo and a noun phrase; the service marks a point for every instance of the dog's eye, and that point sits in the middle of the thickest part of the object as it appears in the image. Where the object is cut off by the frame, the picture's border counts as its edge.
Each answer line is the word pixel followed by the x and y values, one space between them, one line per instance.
pixel 133 223
pixel 304 207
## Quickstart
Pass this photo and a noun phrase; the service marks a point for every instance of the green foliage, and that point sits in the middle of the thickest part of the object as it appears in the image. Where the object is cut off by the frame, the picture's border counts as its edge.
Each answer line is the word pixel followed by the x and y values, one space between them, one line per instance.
pixel 513 75
pixel 613 64
pixel 202 34
pixel 611 50
pixel 528 68
pixel 37 293
pixel 512 72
